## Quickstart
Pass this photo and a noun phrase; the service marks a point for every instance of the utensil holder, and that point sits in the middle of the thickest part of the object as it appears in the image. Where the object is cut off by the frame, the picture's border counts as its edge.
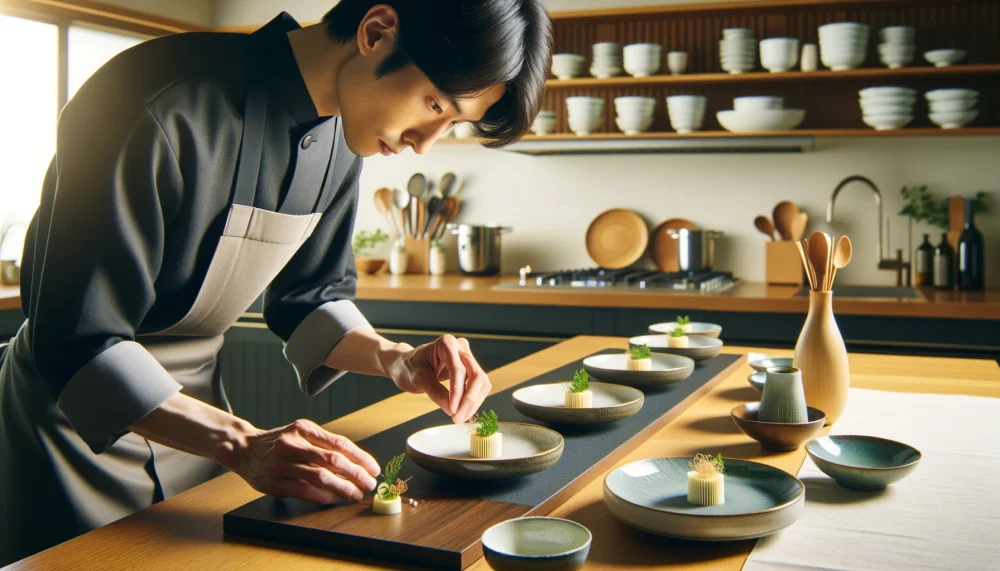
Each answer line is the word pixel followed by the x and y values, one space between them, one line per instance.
pixel 783 399
pixel 418 254
pixel 822 357
pixel 782 265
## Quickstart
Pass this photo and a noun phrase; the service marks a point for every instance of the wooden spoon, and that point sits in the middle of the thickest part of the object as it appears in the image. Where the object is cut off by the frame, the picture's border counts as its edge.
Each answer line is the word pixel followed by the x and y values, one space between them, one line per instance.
pixel 799 228
pixel 784 216
pixel 449 182
pixel 841 257
pixel 384 204
pixel 818 249
pixel 805 264
pixel 763 223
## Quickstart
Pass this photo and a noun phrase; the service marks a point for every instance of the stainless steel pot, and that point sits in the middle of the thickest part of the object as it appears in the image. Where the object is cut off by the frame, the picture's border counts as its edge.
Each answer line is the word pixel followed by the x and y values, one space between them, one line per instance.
pixel 479 248
pixel 695 248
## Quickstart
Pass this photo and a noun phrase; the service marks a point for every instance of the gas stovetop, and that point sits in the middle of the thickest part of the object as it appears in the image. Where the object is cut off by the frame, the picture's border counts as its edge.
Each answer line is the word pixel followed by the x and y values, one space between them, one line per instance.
pixel 711 282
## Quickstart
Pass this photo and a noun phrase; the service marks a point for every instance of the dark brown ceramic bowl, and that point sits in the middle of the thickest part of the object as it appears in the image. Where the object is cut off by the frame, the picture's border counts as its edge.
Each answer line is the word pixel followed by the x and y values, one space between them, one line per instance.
pixel 778 436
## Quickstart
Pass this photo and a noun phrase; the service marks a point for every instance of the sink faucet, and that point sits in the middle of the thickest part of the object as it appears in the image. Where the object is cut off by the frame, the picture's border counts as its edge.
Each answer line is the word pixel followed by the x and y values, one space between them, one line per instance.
pixel 896 263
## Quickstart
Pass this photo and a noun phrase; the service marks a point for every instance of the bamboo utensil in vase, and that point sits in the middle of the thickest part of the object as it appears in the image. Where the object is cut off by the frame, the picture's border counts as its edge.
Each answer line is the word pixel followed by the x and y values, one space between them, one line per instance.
pixel 820 352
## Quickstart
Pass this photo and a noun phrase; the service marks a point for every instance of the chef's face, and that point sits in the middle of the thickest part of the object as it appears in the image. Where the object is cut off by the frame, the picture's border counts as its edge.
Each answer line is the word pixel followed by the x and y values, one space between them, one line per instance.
pixel 401 109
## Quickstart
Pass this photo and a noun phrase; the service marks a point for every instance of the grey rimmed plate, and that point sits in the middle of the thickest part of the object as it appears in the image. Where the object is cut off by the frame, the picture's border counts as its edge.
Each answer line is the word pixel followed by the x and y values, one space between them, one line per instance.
pixel 699 347
pixel 666 369
pixel 707 329
pixel 757 380
pixel 651 495
pixel 762 365
pixel 547 404
pixel 526 449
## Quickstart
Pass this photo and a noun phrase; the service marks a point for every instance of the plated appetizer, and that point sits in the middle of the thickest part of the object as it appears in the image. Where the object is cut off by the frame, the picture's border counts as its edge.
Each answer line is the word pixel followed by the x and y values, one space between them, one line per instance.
pixel 578 393
pixel 485 441
pixel 706 483
pixel 387 495
pixel 677 338
pixel 640 358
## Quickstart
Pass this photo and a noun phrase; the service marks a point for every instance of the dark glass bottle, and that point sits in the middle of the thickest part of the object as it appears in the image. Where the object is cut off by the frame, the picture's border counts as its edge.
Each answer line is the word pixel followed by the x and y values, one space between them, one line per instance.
pixel 923 262
pixel 944 264
pixel 970 254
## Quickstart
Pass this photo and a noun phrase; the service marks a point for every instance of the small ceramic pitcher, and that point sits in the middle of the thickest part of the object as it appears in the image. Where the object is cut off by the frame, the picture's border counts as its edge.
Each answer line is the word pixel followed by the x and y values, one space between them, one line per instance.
pixel 398 259
pixel 784 400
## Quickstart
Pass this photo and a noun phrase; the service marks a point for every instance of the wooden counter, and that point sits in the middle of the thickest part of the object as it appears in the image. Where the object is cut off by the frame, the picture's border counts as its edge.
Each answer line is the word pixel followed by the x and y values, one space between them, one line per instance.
pixel 745 297
pixel 185 532
pixel 10 297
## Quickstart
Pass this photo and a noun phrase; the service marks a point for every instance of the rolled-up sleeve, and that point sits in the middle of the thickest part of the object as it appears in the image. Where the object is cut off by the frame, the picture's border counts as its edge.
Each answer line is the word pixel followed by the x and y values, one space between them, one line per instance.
pixel 94 251
pixel 309 304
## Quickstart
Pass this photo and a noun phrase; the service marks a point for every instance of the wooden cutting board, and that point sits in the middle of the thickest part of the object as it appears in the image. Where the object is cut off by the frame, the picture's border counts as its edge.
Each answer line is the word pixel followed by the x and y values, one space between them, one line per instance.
pixel 444 529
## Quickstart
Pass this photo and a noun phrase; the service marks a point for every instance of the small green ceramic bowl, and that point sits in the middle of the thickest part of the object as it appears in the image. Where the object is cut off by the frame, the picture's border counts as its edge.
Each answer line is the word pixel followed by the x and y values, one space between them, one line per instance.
pixel 863 462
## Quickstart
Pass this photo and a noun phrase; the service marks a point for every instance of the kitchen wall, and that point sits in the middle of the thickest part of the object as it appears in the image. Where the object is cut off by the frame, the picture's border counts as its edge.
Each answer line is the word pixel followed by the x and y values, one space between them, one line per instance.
pixel 198 12
pixel 550 200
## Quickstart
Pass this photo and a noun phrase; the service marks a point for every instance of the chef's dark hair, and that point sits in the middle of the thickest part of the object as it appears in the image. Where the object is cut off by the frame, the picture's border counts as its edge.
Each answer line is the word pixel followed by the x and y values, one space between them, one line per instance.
pixel 466 47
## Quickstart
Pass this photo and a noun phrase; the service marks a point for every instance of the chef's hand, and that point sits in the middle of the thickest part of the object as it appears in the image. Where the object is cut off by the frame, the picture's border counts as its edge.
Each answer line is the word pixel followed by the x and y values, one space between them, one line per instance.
pixel 423 368
pixel 304 461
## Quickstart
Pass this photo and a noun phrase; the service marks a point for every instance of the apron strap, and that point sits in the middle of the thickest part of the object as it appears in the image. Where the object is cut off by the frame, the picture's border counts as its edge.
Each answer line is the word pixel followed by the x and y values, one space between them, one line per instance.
pixel 254 117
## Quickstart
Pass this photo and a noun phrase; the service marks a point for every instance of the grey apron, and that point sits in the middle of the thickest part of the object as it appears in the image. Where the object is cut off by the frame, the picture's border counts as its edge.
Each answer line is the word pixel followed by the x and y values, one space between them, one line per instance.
pixel 52 486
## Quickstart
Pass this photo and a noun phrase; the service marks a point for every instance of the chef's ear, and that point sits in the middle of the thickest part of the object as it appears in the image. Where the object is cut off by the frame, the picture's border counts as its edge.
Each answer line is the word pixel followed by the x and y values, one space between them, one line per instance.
pixel 378 30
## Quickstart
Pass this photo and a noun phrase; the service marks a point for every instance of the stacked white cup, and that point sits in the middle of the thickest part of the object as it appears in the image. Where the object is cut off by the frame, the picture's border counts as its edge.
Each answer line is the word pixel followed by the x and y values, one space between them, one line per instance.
pixel 585 114
pixel 634 114
pixel 887 108
pixel 607 60
pixel 843 45
pixel 544 123
pixel 779 54
pixel 567 66
pixel 952 108
pixel 643 60
pixel 686 112
pixel 898 46
pixel 738 50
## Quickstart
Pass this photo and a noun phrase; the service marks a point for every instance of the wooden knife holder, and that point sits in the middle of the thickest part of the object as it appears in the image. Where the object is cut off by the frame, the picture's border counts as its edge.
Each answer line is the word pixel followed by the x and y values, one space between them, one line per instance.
pixel 418 252
pixel 782 264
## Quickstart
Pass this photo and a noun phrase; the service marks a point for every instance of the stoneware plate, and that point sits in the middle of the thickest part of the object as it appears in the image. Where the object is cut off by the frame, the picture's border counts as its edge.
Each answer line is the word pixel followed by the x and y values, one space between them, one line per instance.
pixel 537 543
pixel 777 436
pixel 762 365
pixel 757 380
pixel 444 450
pixel 617 238
pixel 547 404
pixel 699 349
pixel 707 329
pixel 863 462
pixel 651 495
pixel 667 369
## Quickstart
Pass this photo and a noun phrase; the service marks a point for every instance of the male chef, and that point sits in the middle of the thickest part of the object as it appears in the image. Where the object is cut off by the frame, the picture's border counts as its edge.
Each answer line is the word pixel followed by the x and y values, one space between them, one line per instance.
pixel 194 173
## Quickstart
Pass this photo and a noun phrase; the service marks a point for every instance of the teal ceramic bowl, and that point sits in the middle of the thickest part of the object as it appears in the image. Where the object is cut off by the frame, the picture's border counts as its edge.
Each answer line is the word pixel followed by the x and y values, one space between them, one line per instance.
pixel 762 365
pixel 863 462
pixel 757 380
pixel 537 543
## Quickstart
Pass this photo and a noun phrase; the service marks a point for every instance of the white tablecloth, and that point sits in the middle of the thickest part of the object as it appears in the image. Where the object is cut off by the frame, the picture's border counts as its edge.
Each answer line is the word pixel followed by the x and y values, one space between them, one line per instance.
pixel 945 515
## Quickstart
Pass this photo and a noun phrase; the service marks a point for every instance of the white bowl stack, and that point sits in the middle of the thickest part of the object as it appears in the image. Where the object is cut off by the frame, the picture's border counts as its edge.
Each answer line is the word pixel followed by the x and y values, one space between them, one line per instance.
pixel 898 46
pixel 778 55
pixel 738 50
pixel 686 112
pixel 585 114
pixel 952 108
pixel 607 60
pixel 643 60
pixel 843 45
pixel 760 114
pixel 634 114
pixel 887 108
pixel 544 123
pixel 567 66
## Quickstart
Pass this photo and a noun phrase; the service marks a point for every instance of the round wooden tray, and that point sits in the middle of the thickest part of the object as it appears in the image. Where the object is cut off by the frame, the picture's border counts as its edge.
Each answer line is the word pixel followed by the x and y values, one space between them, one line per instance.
pixel 617 238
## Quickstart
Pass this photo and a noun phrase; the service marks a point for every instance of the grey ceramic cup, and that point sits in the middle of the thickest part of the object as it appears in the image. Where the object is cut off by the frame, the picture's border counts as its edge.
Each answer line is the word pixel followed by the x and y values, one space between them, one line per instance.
pixel 784 399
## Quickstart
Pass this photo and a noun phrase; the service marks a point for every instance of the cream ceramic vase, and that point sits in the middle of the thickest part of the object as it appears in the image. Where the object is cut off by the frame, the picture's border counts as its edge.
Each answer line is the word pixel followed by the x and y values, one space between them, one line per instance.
pixel 822 357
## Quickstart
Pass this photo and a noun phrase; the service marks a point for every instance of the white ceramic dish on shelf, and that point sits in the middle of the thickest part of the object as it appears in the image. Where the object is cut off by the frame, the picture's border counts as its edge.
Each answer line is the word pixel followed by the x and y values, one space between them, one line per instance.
pixel 895 56
pixel 944 58
pixel 779 55
pixel 761 120
pixel 952 105
pixel 567 66
pixel 887 121
pixel 953 119
pixel 755 102
pixel 951 94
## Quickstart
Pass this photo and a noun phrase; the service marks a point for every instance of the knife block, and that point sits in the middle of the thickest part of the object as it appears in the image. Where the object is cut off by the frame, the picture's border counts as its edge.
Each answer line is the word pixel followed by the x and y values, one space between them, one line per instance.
pixel 418 252
pixel 782 264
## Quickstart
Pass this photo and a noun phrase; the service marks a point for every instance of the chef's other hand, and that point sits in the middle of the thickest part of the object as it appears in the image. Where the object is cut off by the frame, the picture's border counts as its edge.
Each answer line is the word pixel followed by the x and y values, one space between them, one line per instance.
pixel 445 358
pixel 304 461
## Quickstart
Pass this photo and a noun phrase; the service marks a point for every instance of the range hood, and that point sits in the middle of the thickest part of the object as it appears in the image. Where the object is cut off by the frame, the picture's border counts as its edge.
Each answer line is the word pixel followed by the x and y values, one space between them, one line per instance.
pixel 559 145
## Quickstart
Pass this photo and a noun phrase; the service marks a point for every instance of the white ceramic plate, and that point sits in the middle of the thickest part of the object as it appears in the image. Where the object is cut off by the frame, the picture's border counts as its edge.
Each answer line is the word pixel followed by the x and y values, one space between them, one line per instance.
pixel 526 449
pixel 667 369
pixel 706 329
pixel 761 120
pixel 699 347
pixel 547 403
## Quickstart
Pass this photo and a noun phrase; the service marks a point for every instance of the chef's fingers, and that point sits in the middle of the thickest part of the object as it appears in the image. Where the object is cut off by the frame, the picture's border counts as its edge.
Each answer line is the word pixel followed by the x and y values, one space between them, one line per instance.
pixel 288 488
pixel 449 353
pixel 318 436
pixel 323 480
pixel 338 464
pixel 476 389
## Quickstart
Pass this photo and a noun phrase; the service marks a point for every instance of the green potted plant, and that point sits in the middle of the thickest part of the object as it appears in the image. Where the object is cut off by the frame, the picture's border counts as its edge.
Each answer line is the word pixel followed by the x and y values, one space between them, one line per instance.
pixel 364 242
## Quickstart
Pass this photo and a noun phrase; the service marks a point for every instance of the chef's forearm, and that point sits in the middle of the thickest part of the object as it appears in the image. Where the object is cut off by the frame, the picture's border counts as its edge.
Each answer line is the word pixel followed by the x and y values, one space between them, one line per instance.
pixel 366 352
pixel 187 424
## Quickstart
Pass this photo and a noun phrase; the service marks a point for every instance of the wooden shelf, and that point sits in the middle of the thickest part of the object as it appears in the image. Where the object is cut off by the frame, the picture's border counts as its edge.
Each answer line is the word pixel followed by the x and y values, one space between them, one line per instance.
pixel 790 76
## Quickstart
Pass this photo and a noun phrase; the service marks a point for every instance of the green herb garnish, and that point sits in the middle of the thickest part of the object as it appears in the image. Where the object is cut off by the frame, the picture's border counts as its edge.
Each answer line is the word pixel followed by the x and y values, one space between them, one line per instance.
pixel 640 352
pixel 486 423
pixel 677 332
pixel 581 382
pixel 392 487
pixel 683 320
pixel 365 241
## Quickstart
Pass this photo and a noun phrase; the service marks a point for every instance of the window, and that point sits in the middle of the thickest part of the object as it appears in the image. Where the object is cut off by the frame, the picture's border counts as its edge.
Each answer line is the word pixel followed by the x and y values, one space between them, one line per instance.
pixel 32 79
